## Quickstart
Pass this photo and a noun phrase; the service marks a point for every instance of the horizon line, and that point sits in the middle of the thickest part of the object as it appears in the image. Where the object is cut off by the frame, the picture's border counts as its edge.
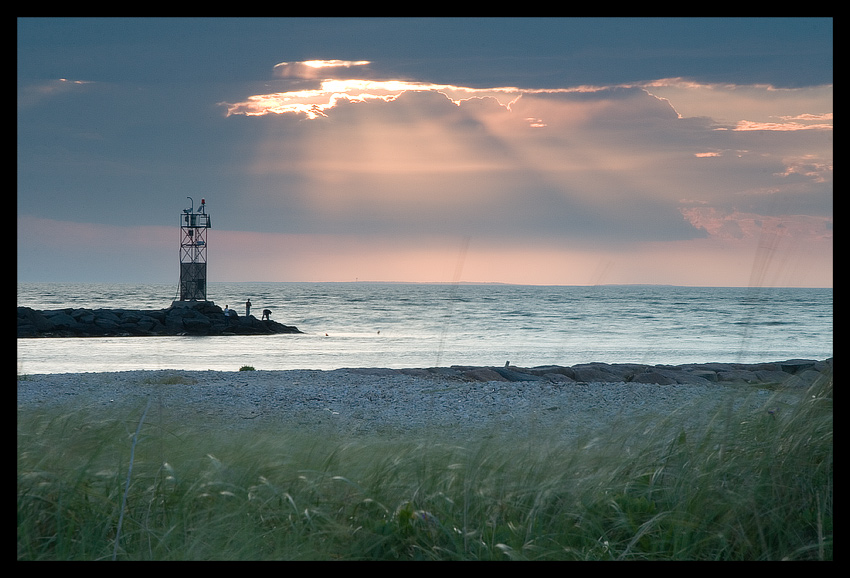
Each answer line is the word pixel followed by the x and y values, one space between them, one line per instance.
pixel 370 282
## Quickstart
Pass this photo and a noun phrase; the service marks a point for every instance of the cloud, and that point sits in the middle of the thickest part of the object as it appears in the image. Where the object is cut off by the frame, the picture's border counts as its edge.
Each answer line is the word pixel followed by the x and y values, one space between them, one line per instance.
pixel 315 103
pixel 574 166
pixel 359 176
pixel 311 69
pixel 732 225
pixel 35 93
pixel 749 106
pixel 732 107
pixel 783 126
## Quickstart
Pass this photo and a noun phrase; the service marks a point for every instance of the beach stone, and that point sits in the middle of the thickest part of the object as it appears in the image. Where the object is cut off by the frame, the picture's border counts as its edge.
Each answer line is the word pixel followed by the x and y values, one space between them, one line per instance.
pixel 795 365
pixel 371 370
pixel 483 374
pixel 146 324
pixel 34 318
pixel 108 315
pixel 106 324
pixel 415 372
pixel 690 378
pixel 771 376
pixel 705 374
pixel 744 375
pixel 515 375
pixel 806 378
pixel 552 370
pixel 653 376
pixel 715 367
pixel 131 316
pixel 769 366
pixel 196 324
pixel 62 320
pixel 558 378
pixel 597 372
pixel 452 372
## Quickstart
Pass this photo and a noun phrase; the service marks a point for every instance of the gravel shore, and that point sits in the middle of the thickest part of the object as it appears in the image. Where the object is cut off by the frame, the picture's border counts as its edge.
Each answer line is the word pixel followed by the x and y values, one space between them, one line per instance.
pixel 355 401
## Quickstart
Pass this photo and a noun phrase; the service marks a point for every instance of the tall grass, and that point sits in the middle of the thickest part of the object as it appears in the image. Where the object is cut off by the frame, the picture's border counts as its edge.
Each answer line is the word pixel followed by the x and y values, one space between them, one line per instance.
pixel 743 485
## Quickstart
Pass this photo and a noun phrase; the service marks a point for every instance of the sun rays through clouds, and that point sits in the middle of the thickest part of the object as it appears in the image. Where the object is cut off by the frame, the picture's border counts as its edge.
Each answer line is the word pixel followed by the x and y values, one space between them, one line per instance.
pixel 614 166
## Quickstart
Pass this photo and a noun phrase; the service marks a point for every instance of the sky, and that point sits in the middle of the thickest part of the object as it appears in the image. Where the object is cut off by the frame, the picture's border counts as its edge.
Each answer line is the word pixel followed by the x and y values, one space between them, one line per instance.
pixel 541 151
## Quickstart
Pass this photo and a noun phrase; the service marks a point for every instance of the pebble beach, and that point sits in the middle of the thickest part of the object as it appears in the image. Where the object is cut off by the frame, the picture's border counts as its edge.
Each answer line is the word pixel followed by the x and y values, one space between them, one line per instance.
pixel 363 401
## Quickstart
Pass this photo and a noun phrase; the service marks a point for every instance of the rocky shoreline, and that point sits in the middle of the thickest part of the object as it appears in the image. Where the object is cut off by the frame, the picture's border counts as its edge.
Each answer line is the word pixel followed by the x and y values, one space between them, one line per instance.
pixel 575 400
pixel 182 318
pixel 789 373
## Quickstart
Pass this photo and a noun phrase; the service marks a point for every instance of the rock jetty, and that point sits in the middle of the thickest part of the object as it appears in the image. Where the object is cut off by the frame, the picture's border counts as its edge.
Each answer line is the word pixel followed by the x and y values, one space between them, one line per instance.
pixel 182 318
pixel 789 373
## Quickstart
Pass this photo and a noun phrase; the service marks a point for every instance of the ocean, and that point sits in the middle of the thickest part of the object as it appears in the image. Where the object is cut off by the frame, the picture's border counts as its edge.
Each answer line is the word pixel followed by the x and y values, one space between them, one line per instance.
pixel 409 325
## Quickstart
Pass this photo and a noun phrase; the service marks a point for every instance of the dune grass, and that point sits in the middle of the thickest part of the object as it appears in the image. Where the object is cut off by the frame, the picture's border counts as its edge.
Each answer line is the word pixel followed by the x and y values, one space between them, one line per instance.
pixel 743 485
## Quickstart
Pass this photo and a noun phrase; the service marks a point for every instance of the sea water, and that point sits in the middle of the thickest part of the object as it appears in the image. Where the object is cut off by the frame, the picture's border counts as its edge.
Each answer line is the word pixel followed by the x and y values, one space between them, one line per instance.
pixel 401 325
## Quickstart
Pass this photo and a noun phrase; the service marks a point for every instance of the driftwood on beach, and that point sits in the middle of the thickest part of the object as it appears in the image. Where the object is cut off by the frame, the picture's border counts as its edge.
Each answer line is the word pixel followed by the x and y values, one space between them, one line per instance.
pixel 182 318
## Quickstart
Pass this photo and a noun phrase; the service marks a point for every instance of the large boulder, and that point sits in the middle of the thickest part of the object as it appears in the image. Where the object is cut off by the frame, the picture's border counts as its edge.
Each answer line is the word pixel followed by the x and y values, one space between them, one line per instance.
pixel 61 320
pixel 590 372
pixel 32 321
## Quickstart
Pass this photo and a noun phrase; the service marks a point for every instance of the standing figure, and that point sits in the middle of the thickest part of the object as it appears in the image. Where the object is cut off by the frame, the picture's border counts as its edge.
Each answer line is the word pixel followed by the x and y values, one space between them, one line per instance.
pixel 247 308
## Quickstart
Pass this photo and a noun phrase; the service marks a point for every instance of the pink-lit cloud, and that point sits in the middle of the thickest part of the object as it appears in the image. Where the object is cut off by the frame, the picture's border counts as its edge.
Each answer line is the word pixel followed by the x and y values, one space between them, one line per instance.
pixel 737 225
pixel 576 172
pixel 783 126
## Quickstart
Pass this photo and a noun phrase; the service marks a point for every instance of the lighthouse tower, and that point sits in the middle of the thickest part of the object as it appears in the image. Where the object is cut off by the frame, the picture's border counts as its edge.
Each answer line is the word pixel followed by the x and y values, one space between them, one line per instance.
pixel 193 252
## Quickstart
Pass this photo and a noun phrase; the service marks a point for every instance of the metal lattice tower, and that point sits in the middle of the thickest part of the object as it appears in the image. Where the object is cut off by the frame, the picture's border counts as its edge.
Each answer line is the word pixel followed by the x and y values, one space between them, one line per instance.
pixel 193 252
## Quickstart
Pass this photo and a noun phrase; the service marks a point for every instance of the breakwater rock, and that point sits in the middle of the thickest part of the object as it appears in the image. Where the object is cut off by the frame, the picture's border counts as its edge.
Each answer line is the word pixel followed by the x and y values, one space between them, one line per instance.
pixel 182 318
pixel 789 373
